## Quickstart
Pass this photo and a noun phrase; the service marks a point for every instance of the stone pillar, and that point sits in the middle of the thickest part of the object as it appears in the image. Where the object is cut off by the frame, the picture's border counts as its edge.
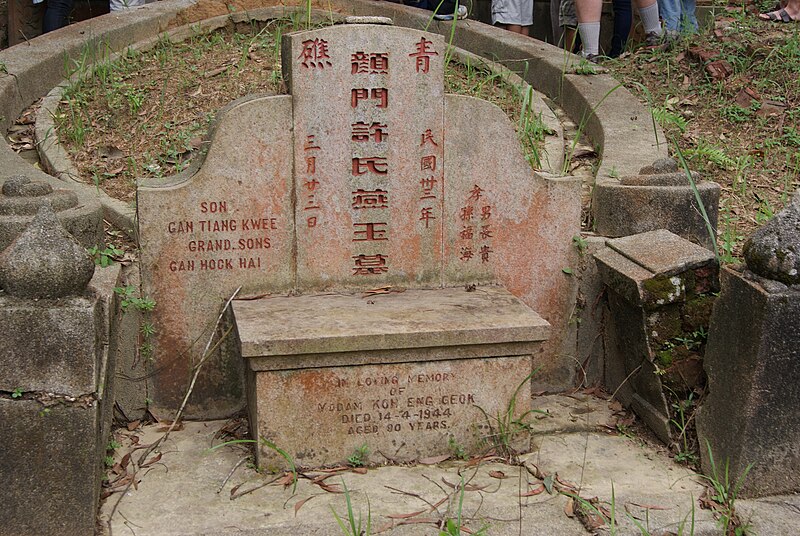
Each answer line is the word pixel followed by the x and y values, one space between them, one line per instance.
pixel 660 197
pixel 54 403
pixel 752 413
pixel 659 292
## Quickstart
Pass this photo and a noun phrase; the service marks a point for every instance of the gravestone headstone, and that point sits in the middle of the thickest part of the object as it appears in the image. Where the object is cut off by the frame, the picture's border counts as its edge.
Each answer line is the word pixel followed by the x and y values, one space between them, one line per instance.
pixel 229 225
pixel 368 153
pixel 366 176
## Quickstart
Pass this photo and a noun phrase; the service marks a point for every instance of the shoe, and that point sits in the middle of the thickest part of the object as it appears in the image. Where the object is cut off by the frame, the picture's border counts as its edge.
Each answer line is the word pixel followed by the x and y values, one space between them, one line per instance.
pixel 658 41
pixel 653 40
pixel 780 15
pixel 593 58
pixel 461 13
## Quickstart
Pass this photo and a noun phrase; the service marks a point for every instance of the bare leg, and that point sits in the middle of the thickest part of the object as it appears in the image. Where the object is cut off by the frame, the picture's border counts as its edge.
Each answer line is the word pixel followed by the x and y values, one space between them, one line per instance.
pixel 516 28
pixel 791 7
pixel 590 10
pixel 570 34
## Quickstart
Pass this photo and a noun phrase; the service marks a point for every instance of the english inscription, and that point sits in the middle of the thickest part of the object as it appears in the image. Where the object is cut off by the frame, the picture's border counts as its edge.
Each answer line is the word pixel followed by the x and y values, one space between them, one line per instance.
pixel 383 405
pixel 220 238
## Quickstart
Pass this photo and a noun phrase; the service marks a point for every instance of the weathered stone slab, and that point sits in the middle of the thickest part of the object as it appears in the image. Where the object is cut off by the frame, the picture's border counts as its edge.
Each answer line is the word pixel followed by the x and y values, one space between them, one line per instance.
pixel 48 346
pixel 662 252
pixel 656 268
pixel 369 138
pixel 330 324
pixel 401 411
pixel 658 289
pixel 51 467
pixel 506 223
pixel 410 369
pixel 752 412
pixel 229 225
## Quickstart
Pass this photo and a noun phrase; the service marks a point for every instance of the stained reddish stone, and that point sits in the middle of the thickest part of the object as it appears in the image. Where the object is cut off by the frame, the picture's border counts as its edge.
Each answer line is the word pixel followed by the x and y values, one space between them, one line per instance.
pixel 203 236
pixel 368 111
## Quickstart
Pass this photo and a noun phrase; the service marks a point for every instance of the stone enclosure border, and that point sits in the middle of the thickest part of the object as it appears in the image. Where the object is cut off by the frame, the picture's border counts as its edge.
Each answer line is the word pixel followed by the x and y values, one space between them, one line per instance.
pixel 628 140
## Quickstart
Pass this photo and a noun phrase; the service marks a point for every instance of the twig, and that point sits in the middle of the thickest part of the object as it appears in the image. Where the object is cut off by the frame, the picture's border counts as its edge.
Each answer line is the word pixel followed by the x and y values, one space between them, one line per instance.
pixel 251 490
pixel 196 373
pixel 235 467
pixel 628 377
pixel 207 351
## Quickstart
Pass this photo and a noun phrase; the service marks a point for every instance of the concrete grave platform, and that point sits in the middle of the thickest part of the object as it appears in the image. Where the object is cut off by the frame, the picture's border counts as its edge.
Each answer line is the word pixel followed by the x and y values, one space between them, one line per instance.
pixel 189 490
pixel 404 373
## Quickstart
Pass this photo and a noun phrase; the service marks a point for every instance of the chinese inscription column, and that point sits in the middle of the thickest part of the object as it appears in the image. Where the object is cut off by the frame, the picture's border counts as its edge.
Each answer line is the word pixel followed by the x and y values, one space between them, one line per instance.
pixel 369 138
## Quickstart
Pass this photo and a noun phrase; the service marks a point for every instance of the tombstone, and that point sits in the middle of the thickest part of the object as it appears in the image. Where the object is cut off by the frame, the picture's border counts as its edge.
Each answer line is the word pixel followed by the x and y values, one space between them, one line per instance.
pixel 750 422
pixel 366 180
pixel 55 371
pixel 660 288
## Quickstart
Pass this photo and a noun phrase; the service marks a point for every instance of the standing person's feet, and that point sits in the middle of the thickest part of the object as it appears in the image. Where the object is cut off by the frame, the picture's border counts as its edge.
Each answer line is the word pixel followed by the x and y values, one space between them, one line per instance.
pixel 787 11
pixel 781 15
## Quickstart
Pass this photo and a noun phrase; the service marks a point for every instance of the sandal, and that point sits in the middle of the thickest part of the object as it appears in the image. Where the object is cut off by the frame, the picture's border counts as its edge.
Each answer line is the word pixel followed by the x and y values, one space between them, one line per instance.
pixel 780 15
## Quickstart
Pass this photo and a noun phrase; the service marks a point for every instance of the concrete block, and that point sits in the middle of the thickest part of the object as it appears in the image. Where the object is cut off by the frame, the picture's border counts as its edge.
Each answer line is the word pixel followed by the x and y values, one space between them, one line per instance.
pixel 622 210
pixel 401 373
pixel 50 345
pixel 752 413
pixel 51 467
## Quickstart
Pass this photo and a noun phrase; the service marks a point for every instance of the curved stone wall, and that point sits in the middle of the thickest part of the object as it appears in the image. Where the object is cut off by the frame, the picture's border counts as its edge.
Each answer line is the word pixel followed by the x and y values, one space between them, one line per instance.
pixel 627 139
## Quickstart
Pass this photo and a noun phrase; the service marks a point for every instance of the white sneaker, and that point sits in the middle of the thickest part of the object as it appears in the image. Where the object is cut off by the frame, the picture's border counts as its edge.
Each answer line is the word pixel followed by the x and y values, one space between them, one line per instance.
pixel 462 14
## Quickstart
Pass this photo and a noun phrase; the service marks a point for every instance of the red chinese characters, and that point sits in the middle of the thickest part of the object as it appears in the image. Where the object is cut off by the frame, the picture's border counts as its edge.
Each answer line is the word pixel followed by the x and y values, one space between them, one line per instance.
pixel 476 227
pixel 428 182
pixel 315 54
pixel 310 183
pixel 370 133
pixel 422 55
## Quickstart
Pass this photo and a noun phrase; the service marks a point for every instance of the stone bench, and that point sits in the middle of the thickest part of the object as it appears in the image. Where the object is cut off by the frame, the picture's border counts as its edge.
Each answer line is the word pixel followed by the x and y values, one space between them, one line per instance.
pixel 402 373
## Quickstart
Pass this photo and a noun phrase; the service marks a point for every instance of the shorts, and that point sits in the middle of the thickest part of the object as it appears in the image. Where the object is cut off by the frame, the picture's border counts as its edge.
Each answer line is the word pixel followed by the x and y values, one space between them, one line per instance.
pixel 518 12
pixel 121 5
pixel 567 17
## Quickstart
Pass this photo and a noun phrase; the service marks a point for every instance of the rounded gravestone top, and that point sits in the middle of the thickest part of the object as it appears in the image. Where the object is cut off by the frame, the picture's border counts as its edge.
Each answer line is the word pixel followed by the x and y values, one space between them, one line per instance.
pixel 773 251
pixel 368 20
pixel 22 186
pixel 662 165
pixel 22 196
pixel 662 172
pixel 45 261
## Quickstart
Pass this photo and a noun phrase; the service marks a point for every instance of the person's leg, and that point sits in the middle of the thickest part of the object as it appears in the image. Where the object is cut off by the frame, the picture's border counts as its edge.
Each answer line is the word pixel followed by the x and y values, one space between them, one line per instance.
pixel 670 11
pixel 688 16
pixel 589 12
pixel 555 26
pixel 789 13
pixel 516 28
pixel 568 20
pixel 623 19
pixel 121 5
pixel 420 4
pixel 513 15
pixel 648 12
pixel 56 15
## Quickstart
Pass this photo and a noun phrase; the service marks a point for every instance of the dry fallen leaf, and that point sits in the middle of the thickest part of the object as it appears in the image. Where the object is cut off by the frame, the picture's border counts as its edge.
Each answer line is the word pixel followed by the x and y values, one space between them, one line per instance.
pixel 497 474
pixel 433 460
pixel 535 491
pixel 569 508
pixel 133 425
pixel 152 460
pixel 330 488
pixel 299 504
